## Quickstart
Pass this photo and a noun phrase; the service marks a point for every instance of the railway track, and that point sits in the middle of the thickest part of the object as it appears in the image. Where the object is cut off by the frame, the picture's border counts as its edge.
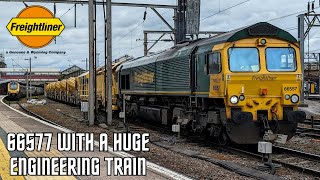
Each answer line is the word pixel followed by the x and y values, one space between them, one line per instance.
pixel 38 116
pixel 296 160
pixel 293 159
pixel 311 121
pixel 152 166
pixel 137 128
pixel 309 132
pixel 308 122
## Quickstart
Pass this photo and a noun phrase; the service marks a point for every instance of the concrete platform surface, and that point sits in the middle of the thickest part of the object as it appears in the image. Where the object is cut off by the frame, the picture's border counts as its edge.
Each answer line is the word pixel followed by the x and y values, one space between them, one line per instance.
pixel 13 121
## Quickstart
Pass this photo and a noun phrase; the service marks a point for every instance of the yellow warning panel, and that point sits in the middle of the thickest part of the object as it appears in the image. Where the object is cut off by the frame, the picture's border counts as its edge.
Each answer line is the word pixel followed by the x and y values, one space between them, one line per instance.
pixel 5 164
pixel 312 88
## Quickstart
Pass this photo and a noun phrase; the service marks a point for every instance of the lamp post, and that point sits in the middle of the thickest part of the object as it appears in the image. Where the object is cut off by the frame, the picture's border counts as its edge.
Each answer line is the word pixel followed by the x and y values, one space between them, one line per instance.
pixel 30 78
pixel 86 60
pixel 23 70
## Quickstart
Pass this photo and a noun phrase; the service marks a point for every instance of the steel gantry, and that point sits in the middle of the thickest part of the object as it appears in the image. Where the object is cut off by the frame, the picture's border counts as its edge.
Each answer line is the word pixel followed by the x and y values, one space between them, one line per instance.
pixel 92 38
pixel 186 20
pixel 309 20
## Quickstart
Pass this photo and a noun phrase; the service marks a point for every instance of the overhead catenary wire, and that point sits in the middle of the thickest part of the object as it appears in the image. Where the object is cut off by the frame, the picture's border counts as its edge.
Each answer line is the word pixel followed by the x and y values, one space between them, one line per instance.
pixel 71 62
pixel 288 15
pixel 129 49
pixel 67 11
pixel 23 54
pixel 277 18
pixel 314 50
pixel 293 28
pixel 135 27
pixel 130 31
pixel 18 64
pixel 220 11
pixel 139 24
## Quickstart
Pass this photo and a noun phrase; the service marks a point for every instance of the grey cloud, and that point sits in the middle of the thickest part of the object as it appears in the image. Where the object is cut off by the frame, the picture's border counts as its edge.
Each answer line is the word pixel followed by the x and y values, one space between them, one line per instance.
pixel 75 40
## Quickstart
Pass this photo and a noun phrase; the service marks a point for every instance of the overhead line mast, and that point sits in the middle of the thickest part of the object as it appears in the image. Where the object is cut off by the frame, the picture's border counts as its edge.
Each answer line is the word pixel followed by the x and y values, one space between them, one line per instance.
pixel 182 12
pixel 311 19
pixel 91 113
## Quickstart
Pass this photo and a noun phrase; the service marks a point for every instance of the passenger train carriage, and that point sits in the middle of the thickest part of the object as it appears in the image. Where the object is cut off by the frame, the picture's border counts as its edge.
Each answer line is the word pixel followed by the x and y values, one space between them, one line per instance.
pixel 13 90
pixel 17 90
pixel 76 90
pixel 235 85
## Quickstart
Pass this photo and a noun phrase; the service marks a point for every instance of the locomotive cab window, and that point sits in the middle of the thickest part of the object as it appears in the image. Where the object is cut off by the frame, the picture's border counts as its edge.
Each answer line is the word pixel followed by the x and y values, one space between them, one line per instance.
pixel 213 63
pixel 244 60
pixel 281 59
pixel 125 81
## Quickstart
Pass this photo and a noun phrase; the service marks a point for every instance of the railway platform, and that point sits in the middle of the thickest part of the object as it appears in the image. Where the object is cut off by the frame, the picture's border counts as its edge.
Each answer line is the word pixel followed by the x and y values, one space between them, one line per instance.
pixel 14 121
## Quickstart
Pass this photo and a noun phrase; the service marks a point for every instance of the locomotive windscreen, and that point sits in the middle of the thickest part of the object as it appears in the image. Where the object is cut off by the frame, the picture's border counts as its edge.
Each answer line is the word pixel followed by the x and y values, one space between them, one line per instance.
pixel 13 86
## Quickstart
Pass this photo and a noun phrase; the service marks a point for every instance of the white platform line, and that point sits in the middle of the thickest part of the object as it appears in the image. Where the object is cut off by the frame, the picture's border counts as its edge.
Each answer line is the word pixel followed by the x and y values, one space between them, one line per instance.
pixel 151 166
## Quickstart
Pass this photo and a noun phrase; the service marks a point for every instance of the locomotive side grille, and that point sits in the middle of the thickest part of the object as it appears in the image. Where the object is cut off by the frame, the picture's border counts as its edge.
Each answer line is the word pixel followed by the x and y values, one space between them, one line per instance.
pixel 263 30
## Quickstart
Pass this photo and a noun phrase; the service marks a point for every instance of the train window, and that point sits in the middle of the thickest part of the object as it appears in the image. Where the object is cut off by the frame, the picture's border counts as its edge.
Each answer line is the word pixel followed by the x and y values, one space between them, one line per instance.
pixel 244 60
pixel 281 59
pixel 213 63
pixel 125 81
pixel 13 86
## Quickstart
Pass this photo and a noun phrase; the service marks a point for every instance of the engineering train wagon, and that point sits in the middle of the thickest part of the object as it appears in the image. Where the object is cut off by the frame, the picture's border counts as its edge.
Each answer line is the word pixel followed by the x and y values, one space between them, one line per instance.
pixel 238 86
pixel 75 90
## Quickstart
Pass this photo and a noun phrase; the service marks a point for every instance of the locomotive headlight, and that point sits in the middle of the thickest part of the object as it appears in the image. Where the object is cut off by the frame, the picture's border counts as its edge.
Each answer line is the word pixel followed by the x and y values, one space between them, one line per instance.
pixel 241 97
pixel 287 96
pixel 263 41
pixel 294 98
pixel 234 99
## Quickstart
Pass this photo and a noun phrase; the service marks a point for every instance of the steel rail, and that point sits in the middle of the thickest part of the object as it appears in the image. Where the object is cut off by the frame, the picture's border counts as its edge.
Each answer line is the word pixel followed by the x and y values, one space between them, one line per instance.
pixel 152 166
pixel 38 116
pixel 310 156
pixel 310 132
pixel 300 154
pixel 305 170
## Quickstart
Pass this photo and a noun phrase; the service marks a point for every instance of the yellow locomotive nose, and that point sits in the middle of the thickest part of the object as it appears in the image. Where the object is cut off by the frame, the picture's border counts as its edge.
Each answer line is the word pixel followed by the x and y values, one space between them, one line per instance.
pixel 262 93
pixel 272 101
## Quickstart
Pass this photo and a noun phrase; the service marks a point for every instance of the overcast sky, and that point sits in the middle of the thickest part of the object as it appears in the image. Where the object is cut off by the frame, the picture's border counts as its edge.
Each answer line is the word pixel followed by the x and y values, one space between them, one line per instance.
pixel 128 26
